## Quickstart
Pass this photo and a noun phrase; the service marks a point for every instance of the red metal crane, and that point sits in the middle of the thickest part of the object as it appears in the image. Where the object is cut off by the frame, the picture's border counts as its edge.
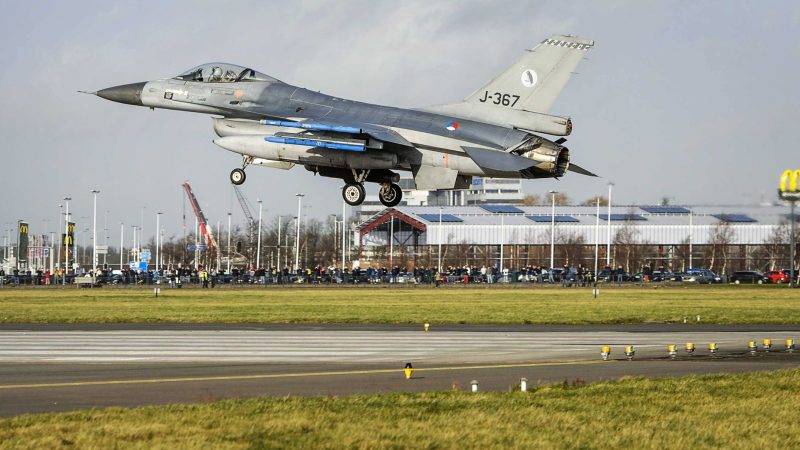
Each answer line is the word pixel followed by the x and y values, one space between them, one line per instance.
pixel 201 220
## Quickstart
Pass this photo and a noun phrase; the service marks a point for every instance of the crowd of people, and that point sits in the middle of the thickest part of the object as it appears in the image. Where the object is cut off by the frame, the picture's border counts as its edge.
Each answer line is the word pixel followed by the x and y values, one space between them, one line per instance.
pixel 180 276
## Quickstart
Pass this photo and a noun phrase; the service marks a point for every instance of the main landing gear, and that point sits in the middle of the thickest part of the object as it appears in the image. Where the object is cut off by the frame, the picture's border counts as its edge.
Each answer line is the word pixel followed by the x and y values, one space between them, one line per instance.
pixel 237 175
pixel 390 194
pixel 353 193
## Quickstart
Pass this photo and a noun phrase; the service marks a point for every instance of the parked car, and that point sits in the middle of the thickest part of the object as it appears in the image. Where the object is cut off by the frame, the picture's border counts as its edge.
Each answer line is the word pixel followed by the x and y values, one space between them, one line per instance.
pixel 778 276
pixel 704 274
pixel 748 276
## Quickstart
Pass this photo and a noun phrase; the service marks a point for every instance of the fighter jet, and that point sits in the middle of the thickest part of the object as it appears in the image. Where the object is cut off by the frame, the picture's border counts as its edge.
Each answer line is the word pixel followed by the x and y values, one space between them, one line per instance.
pixel 494 132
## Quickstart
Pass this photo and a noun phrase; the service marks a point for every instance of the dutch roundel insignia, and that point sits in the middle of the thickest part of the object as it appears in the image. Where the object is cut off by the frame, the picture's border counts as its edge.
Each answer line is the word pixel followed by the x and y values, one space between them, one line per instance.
pixel 452 126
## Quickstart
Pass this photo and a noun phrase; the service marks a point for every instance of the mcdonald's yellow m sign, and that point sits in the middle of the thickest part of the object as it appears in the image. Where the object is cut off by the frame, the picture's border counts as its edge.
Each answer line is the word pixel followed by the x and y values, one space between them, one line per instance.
pixel 790 184
pixel 23 228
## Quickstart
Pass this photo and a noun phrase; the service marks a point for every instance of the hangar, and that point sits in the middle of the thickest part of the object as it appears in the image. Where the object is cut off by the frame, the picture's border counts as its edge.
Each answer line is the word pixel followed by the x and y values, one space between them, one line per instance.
pixel 722 238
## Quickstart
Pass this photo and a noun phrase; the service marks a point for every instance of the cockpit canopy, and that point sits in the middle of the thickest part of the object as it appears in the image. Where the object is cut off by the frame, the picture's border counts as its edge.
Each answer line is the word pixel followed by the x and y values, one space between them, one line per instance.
pixel 222 73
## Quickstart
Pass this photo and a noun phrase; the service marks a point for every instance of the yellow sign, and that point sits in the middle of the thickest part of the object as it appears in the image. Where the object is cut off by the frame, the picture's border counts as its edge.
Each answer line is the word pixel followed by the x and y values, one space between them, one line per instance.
pixel 789 182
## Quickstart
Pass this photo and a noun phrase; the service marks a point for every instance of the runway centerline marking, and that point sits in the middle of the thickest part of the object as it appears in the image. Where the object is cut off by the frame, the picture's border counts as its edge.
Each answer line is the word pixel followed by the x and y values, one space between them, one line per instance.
pixel 290 375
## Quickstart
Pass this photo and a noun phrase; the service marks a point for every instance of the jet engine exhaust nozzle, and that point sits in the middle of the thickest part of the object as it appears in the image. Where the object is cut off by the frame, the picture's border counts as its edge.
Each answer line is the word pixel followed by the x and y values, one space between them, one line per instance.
pixel 552 160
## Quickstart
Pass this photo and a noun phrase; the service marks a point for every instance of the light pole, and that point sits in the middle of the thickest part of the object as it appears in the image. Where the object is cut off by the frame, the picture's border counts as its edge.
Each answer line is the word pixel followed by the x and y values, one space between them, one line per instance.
pixel 391 242
pixel 66 239
pixel 135 248
pixel 158 240
pixel 94 231
pixel 335 235
pixel 553 230
pixel 297 238
pixel 228 271
pixel 121 243
pixel 305 227
pixel 105 236
pixel 691 237
pixel 502 240
pixel 608 228
pixel 278 261
pixel 258 243
pixel 60 214
pixel 286 245
pixel 344 234
pixel 596 239
pixel 440 241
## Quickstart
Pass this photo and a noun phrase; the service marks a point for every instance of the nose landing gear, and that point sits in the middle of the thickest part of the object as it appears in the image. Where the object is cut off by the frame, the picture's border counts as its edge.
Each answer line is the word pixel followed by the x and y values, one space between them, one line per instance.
pixel 237 175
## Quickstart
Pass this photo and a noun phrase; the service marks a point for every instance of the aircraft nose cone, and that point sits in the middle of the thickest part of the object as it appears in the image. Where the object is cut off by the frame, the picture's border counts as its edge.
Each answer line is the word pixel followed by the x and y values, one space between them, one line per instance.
pixel 130 94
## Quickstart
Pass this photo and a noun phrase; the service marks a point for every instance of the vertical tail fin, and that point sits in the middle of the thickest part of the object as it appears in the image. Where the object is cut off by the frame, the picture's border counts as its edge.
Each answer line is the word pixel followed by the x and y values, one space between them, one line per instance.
pixel 534 81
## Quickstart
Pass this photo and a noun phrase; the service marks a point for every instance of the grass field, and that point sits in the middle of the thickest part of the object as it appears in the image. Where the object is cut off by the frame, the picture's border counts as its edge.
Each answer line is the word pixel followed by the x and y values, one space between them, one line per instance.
pixel 749 411
pixel 727 304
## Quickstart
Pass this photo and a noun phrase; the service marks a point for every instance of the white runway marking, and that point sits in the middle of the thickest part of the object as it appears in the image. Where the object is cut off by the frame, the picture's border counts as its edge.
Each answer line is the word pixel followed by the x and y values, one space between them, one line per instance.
pixel 352 346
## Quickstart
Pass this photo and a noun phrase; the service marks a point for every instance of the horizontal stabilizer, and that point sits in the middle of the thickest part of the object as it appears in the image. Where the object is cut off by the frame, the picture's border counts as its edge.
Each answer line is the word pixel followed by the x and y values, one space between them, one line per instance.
pixel 578 169
pixel 498 160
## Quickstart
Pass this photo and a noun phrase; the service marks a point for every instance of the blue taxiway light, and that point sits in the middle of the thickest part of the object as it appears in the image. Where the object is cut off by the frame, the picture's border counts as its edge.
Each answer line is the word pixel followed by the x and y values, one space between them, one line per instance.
pixel 312 126
pixel 316 143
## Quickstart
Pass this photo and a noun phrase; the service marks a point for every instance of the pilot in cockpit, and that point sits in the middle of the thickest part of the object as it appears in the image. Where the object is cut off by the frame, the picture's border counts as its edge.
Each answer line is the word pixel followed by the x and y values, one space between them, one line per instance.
pixel 216 74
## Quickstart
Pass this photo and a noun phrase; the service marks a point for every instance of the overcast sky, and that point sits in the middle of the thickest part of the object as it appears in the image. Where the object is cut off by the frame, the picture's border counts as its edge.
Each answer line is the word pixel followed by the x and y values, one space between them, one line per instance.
pixel 695 101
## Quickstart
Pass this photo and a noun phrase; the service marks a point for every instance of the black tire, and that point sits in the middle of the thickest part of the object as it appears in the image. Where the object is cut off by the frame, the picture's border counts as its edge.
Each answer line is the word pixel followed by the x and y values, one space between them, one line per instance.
pixel 393 196
pixel 238 176
pixel 353 194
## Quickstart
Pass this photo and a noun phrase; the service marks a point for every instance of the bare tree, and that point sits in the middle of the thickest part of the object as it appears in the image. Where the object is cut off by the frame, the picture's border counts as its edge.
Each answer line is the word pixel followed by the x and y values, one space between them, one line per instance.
pixel 593 201
pixel 531 200
pixel 718 243
pixel 572 248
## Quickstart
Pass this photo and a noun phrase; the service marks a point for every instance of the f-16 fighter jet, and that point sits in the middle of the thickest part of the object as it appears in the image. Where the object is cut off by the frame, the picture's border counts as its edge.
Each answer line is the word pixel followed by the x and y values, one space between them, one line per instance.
pixel 494 132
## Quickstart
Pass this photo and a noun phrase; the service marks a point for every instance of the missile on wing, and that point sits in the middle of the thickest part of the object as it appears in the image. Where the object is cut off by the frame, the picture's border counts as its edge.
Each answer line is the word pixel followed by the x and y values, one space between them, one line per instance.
pixel 348 144
pixel 312 126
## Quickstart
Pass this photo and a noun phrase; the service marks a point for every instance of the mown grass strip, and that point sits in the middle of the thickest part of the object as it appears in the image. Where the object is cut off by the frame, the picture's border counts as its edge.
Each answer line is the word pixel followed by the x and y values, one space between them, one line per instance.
pixel 717 304
pixel 744 411
pixel 724 305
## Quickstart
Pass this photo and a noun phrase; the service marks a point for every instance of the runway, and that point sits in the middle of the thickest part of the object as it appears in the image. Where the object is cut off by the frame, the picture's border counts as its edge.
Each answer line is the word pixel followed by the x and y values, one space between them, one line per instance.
pixel 63 367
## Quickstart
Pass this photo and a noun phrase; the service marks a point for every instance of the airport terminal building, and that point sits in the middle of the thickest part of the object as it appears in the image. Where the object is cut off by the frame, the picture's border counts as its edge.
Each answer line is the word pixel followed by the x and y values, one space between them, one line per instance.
pixel 723 238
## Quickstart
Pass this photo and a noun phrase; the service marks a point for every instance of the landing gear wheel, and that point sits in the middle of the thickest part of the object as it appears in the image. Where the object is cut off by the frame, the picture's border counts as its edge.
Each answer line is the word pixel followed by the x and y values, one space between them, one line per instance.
pixel 390 195
pixel 353 194
pixel 238 176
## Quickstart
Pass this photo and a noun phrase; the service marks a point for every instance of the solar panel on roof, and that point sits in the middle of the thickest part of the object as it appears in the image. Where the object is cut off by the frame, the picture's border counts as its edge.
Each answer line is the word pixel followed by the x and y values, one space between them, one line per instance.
pixel 445 218
pixel 734 218
pixel 665 209
pixel 547 219
pixel 502 209
pixel 622 217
